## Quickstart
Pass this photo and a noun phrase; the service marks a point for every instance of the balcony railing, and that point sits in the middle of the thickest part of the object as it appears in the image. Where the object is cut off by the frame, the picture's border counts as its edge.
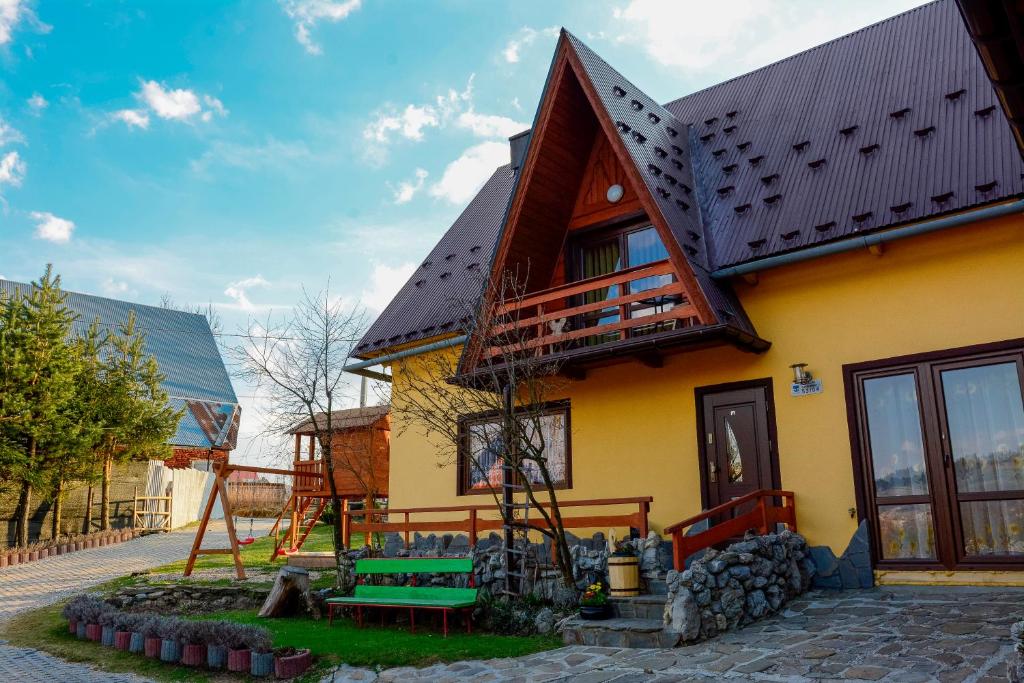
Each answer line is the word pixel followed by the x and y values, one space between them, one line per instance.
pixel 591 312
pixel 309 476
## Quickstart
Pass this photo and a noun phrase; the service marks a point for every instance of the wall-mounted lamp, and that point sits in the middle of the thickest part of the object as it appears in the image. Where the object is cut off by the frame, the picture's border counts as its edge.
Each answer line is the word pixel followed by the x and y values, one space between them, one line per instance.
pixel 801 374
pixel 615 193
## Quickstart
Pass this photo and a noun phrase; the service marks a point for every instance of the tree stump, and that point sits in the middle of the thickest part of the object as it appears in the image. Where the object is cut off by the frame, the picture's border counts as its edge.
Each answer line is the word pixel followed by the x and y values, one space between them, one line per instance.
pixel 289 595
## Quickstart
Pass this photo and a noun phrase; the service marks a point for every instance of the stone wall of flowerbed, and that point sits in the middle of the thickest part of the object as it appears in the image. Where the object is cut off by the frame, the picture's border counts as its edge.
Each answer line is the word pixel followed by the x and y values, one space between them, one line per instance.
pixel 1015 665
pixel 728 589
pixel 40 550
pixel 187 598
pixel 214 645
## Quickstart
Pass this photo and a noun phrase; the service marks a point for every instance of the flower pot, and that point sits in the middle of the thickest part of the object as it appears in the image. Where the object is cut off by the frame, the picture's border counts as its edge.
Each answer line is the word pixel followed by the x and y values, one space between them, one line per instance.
pixel 78 545
pixel 62 549
pixel 3 560
pixel 44 553
pixel 170 651
pixel 193 655
pixel 108 636
pixel 152 647
pixel 624 575
pixel 216 656
pixel 23 556
pixel 33 556
pixel 80 630
pixel 261 663
pixel 122 640
pixel 126 535
pixel 292 665
pixel 595 612
pixel 238 661
pixel 137 643
pixel 72 627
pixel 94 632
pixel 13 559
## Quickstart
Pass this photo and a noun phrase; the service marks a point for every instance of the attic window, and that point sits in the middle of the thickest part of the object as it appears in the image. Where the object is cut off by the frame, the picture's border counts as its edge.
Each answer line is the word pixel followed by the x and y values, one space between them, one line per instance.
pixel 729 168
pixel 769 179
pixel 693 236
pixel 654 170
pixel 707 138
pixel 900 113
pixel 791 235
pixel 743 145
pixel 817 163
pixel 623 128
pixel 723 191
pixel 636 104
pixel 619 92
pixel 677 149
pixel 712 121
pixel 924 132
pixel 849 130
pixel 825 227
pixel 985 111
pixel 678 164
pixel 731 114
pixel 801 146
pixel 729 129
pixel 772 199
pixel 742 208
pixel 653 117
pixel 986 187
pixel 868 149
pixel 756 244
pixel 900 208
pixel 861 217
pixel 660 152
pixel 942 198
pixel 671 131
pixel 639 137
pixel 718 152
pixel 682 205
pixel 955 95
pixel 754 161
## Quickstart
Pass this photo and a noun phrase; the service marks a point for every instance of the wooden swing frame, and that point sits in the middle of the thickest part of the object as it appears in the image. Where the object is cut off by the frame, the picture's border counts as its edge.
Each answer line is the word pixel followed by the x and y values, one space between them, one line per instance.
pixel 220 490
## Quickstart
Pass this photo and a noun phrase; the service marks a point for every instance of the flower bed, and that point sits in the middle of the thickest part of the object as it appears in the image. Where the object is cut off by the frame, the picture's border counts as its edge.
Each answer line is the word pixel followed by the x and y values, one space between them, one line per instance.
pixel 10 557
pixel 200 644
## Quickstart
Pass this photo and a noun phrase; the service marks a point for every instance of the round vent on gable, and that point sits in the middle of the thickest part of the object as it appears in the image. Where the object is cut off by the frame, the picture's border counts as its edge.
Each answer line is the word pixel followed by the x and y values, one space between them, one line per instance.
pixel 614 193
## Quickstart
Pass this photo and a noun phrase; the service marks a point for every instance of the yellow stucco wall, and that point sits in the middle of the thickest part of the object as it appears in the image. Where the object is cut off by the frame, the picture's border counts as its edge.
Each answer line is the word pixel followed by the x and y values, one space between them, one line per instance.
pixel 634 428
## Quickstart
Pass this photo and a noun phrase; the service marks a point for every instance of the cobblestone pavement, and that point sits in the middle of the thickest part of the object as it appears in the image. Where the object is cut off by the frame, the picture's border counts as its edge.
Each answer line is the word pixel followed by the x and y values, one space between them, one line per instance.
pixel 904 635
pixel 44 582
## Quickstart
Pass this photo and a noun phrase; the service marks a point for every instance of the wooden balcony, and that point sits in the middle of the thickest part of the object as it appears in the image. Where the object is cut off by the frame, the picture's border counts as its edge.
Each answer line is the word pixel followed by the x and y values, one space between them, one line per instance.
pixel 587 313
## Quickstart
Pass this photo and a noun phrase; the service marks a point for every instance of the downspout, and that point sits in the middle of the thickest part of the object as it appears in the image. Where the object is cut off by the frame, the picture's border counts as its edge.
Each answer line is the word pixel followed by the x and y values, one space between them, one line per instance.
pixel 868 241
pixel 361 368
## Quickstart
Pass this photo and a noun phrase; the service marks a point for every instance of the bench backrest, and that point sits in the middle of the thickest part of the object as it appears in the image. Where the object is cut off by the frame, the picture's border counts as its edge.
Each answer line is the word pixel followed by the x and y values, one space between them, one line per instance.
pixel 415 565
pixel 416 593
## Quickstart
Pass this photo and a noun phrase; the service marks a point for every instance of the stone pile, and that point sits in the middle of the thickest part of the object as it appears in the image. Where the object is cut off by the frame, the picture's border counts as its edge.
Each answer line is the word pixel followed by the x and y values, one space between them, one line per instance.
pixel 187 599
pixel 747 581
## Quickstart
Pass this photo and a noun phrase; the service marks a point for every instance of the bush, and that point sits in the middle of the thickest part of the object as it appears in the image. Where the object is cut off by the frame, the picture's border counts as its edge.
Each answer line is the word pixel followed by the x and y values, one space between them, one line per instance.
pixel 196 633
pixel 150 626
pixel 126 621
pixel 510 617
pixel 86 609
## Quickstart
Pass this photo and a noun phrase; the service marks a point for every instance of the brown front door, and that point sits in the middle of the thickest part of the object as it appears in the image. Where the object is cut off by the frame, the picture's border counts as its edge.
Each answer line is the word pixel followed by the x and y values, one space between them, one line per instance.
pixel 738 453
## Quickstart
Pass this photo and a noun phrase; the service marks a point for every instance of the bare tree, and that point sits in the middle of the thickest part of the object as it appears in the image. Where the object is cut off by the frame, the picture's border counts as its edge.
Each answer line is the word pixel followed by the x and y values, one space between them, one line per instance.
pixel 504 376
pixel 299 363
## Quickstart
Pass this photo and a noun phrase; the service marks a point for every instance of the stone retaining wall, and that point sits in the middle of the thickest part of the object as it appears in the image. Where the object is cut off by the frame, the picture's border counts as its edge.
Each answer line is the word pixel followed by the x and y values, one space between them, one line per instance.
pixel 187 599
pixel 747 581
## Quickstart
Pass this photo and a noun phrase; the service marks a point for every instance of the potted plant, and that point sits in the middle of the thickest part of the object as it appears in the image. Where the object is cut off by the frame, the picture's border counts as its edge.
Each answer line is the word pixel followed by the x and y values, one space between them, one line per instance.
pixel 237 639
pixel 194 636
pixel 72 611
pixel 107 619
pixel 217 644
pixel 289 662
pixel 170 639
pixel 151 636
pixel 594 603
pixel 124 624
pixel 12 557
pixel 137 644
pixel 261 661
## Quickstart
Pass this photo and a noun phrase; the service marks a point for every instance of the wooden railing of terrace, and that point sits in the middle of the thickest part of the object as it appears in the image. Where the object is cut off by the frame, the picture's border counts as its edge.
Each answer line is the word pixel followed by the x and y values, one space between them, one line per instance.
pixel 467 519
pixel 763 516
pixel 525 324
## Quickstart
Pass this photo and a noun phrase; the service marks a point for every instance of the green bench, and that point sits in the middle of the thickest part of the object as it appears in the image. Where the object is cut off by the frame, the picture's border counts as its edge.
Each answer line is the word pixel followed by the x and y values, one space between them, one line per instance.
pixel 411 597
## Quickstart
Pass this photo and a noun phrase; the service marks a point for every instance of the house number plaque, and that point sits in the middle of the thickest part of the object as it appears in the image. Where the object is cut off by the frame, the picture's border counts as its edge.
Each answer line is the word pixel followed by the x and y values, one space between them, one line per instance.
pixel 805 388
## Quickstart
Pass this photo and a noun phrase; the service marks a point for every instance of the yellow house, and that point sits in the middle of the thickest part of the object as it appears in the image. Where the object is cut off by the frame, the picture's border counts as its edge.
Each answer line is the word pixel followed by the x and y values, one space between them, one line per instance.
pixel 808 278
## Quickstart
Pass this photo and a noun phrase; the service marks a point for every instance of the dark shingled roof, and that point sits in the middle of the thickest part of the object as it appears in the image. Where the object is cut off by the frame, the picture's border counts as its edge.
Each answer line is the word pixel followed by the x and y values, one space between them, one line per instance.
pixel 344 419
pixel 183 345
pixel 894 123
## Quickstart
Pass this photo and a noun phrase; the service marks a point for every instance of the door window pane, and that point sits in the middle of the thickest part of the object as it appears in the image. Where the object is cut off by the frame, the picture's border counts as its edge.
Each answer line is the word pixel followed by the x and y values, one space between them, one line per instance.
pixel 894 428
pixel 993 527
pixel 603 258
pixel 645 246
pixel 906 532
pixel 986 427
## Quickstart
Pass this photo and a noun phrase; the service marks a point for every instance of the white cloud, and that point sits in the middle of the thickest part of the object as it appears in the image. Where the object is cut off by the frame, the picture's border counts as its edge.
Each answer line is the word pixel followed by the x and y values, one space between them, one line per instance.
pixel 12 12
pixel 272 154
pixel 114 288
pixel 407 189
pixel 133 118
pixel 9 134
pixel 464 176
pixel 308 13
pixel 489 125
pixel 52 228
pixel 12 169
pixel 37 103
pixel 409 123
pixel 526 37
pixel 385 281
pixel 239 291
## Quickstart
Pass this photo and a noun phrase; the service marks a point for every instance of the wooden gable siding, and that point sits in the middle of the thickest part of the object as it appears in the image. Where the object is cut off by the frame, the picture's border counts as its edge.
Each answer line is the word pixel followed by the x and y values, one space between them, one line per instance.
pixel 603 171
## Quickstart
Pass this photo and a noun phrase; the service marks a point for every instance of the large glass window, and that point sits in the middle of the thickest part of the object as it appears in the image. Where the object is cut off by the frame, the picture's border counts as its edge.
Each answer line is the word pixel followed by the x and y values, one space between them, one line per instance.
pixel 482 448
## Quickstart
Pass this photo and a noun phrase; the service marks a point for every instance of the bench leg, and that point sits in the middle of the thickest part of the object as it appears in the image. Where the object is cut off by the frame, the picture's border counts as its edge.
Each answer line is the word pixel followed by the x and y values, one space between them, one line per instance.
pixel 445 613
pixel 412 620
pixel 359 615
pixel 468 616
pixel 330 615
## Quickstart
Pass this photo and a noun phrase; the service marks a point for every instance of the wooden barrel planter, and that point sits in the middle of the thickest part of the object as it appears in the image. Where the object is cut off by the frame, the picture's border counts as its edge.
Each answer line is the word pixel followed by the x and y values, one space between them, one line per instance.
pixel 624 575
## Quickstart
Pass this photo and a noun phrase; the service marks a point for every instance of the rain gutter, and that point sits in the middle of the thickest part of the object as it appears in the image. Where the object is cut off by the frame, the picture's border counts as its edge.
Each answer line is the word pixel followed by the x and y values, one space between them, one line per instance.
pixel 361 368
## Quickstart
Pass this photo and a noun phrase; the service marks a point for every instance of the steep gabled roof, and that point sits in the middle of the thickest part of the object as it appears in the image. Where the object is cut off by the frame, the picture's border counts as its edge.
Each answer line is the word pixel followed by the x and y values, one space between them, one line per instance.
pixel 350 418
pixel 196 380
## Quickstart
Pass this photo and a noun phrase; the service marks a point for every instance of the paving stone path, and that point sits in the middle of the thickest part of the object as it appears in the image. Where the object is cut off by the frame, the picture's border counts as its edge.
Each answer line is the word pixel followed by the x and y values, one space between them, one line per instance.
pixel 44 582
pixel 904 635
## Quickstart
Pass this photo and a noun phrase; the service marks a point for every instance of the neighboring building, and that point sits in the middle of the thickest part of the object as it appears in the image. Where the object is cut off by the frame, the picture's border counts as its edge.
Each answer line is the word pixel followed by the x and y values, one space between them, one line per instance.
pixel 361 445
pixel 196 382
pixel 856 208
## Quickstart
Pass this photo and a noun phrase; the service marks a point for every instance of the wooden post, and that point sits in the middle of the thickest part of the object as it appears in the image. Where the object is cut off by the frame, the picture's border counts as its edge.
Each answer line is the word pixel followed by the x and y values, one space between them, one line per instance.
pixel 293 531
pixel 229 523
pixel 135 510
pixel 645 509
pixel 298 449
pixel 312 446
pixel 763 510
pixel 406 530
pixel 472 528
pixel 197 543
pixel 346 525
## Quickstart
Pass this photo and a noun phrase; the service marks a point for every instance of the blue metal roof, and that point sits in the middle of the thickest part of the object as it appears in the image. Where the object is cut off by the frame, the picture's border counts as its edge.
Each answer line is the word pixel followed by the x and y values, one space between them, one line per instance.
pixel 187 353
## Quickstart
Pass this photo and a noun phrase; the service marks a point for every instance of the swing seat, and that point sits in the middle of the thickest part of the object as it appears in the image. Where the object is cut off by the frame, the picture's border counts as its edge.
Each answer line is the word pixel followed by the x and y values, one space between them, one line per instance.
pixel 246 541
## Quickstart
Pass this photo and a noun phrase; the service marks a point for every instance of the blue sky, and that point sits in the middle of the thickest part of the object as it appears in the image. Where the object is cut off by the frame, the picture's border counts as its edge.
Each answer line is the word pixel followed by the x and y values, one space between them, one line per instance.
pixel 232 152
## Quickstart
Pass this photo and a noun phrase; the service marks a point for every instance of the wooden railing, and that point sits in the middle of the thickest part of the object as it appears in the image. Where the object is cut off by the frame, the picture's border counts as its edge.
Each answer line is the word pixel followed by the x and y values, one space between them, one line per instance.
pixel 525 324
pixel 468 519
pixel 309 476
pixel 764 515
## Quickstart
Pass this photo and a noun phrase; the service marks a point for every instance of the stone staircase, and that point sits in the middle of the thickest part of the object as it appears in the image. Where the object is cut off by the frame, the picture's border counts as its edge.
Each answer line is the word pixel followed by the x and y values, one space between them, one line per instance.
pixel 636 622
